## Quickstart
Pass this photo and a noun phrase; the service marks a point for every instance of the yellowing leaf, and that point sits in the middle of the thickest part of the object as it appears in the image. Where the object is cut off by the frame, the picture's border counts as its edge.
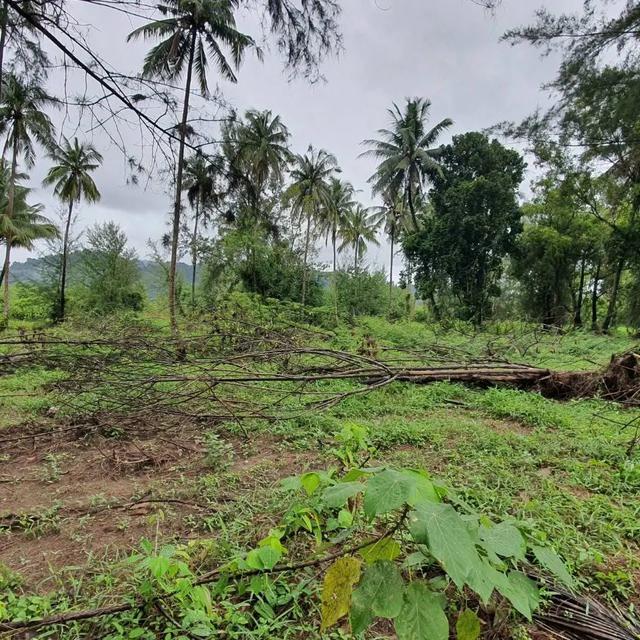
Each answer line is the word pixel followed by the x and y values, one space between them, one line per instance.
pixel 339 581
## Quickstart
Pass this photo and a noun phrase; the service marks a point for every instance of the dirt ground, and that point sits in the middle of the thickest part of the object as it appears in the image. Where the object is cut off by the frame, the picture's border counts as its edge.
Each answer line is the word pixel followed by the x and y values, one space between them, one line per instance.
pixel 65 501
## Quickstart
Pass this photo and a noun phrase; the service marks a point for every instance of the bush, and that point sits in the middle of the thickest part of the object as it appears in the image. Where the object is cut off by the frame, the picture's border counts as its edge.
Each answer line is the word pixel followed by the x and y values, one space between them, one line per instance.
pixel 30 302
pixel 367 294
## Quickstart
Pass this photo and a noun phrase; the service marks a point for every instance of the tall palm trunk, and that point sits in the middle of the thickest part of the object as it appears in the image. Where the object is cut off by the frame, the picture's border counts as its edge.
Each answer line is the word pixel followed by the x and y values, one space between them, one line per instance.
pixel 4 18
pixel 412 209
pixel 393 238
pixel 10 205
pixel 65 258
pixel 594 298
pixel 177 209
pixel 577 317
pixel 307 240
pixel 613 301
pixel 194 254
pixel 334 238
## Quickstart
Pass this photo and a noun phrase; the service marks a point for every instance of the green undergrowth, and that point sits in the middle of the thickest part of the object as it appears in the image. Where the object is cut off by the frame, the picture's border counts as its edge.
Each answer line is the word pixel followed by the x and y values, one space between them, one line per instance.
pixel 564 471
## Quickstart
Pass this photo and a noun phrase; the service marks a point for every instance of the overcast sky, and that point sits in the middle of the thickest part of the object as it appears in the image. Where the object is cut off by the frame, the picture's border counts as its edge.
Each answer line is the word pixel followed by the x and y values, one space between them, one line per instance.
pixel 446 50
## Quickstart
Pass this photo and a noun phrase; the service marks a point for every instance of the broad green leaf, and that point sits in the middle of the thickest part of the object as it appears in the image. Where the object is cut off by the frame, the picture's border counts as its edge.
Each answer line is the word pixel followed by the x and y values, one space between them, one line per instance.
pixel 360 615
pixel 263 558
pixel 440 528
pixel 339 580
pixel 310 482
pixel 521 592
pixel 423 489
pixel 337 495
pixel 421 616
pixel 468 626
pixel 356 474
pixel 504 540
pixel 551 561
pixel 381 588
pixel 385 549
pixel 387 491
pixel 345 518
pixel 483 579
pixel 292 483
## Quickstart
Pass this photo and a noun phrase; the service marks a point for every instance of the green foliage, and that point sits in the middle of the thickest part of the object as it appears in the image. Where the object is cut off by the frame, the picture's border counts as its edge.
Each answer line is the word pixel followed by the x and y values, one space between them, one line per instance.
pixel 219 453
pixel 111 280
pixel 361 293
pixel 470 550
pixel 529 408
pixel 474 223
pixel 269 268
pixel 30 302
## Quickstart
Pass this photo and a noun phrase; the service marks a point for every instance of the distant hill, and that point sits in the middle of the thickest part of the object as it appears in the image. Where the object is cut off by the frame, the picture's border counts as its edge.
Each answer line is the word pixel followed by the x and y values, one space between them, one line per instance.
pixel 152 275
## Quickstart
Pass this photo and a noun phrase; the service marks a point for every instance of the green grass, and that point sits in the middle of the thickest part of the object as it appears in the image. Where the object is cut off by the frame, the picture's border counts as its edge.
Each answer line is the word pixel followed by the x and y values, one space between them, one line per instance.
pixel 561 468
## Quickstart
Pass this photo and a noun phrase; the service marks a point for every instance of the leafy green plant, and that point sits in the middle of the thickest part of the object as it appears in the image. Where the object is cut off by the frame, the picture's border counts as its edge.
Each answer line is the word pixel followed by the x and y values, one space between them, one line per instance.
pixel 419 544
pixel 219 453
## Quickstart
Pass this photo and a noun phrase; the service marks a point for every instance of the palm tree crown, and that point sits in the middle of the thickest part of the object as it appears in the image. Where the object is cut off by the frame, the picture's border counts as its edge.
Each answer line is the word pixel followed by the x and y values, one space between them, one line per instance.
pixel 191 32
pixel 405 152
pixel 70 174
pixel 360 228
pixel 200 177
pixel 26 225
pixel 22 117
pixel 310 192
pixel 257 153
pixel 310 182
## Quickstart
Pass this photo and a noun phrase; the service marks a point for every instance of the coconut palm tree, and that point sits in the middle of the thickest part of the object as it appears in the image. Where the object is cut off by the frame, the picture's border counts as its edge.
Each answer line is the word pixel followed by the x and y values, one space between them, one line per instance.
pixel 190 32
pixel 392 216
pixel 332 220
pixel 258 152
pixel 200 176
pixel 23 121
pixel 360 228
pixel 27 224
pixel 405 153
pixel 72 182
pixel 310 193
pixel 334 215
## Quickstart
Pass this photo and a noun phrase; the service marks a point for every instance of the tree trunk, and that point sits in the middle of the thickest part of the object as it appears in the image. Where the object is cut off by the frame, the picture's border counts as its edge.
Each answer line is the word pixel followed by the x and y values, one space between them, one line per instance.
pixel 63 271
pixel 3 39
pixel 613 301
pixel 194 254
pixel 334 234
pixel 10 205
pixel 577 316
pixel 594 298
pixel 306 257
pixel 393 237
pixel 412 209
pixel 178 199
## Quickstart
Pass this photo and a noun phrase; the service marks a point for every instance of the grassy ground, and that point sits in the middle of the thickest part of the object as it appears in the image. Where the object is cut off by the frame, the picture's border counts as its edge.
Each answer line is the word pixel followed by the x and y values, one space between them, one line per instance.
pixel 562 468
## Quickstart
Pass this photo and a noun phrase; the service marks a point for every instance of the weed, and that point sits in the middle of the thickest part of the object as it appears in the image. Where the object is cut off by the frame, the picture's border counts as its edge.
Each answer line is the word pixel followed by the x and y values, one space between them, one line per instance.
pixel 219 454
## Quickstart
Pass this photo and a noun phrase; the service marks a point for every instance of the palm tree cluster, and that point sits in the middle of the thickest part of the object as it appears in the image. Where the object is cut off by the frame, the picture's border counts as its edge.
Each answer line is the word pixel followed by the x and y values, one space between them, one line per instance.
pixel 24 122
pixel 252 182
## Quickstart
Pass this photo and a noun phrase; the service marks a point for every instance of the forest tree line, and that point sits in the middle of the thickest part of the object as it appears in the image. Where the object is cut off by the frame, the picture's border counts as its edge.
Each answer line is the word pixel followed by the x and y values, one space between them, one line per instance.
pixel 251 213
